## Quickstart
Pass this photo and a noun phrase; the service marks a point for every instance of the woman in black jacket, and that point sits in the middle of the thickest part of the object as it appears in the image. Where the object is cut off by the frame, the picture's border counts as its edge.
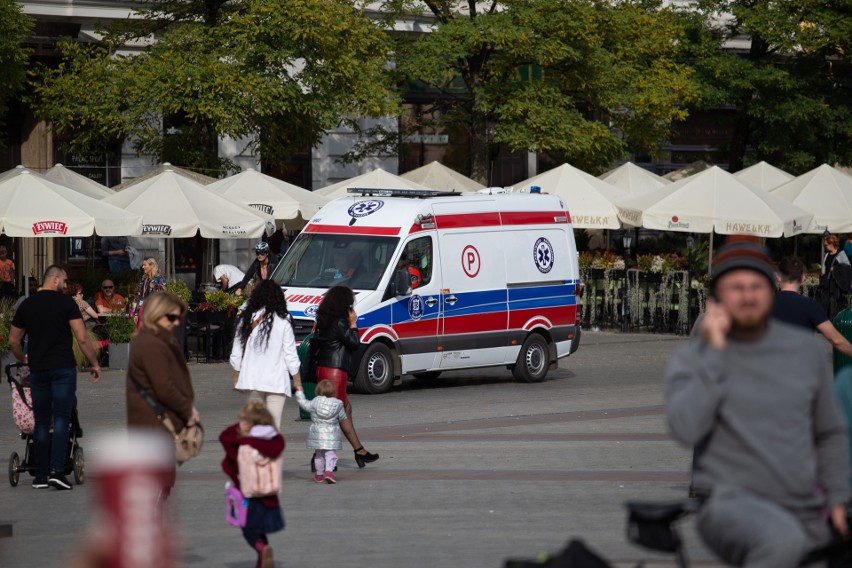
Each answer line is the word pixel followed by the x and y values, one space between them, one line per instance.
pixel 336 338
pixel 262 267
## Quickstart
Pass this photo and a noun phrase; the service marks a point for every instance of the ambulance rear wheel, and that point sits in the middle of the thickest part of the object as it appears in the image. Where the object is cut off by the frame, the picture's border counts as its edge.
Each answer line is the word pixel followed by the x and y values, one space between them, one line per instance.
pixel 533 360
pixel 375 374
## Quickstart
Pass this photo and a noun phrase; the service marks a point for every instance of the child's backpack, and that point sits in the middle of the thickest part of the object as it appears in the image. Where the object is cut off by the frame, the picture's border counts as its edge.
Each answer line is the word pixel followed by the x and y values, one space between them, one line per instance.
pixel 260 476
pixel 236 506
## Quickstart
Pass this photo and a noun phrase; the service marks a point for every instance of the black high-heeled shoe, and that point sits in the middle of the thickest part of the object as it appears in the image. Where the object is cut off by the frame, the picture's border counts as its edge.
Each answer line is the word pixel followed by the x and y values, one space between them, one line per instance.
pixel 364 459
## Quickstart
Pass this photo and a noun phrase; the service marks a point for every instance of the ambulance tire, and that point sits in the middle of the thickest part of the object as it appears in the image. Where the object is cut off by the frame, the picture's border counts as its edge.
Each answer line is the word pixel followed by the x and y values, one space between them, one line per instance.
pixel 533 360
pixel 375 373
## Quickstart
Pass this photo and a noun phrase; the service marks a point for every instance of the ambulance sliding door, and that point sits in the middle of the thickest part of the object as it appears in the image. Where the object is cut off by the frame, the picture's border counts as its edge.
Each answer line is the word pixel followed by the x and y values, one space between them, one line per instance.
pixel 474 296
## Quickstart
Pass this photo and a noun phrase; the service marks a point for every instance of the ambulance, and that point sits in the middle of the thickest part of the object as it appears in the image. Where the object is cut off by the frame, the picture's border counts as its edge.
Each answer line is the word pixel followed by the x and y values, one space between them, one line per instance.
pixel 442 281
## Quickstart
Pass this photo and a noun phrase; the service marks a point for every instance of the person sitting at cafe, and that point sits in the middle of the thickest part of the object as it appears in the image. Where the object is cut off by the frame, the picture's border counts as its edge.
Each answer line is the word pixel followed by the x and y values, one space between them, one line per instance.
pixel 107 301
pixel 226 275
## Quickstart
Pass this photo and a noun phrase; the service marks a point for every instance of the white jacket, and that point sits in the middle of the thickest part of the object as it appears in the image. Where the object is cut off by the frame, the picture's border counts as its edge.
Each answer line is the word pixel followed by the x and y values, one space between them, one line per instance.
pixel 267 369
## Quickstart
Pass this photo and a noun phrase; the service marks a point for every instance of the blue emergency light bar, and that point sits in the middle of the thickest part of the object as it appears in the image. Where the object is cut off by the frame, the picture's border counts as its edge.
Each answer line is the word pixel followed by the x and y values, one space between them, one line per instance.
pixel 412 193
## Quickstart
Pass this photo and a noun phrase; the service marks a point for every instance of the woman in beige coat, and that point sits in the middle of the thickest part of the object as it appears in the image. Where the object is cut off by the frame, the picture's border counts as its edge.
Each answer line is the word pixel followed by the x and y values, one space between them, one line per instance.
pixel 158 366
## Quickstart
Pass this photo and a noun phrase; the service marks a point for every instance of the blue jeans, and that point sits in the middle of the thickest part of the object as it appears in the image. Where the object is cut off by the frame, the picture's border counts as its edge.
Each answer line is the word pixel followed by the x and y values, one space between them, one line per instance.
pixel 120 264
pixel 54 393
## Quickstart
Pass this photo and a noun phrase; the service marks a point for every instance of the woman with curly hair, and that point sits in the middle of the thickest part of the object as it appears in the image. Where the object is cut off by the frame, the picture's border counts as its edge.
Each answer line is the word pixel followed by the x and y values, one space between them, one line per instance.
pixel 152 281
pixel 264 351
pixel 336 338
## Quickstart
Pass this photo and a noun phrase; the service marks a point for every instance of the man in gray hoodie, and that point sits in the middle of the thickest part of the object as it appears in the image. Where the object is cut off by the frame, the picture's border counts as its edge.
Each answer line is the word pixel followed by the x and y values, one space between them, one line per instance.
pixel 754 397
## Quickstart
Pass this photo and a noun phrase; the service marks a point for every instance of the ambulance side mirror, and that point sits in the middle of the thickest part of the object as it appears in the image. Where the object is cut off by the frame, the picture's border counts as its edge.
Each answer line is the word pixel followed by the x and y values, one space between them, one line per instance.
pixel 401 283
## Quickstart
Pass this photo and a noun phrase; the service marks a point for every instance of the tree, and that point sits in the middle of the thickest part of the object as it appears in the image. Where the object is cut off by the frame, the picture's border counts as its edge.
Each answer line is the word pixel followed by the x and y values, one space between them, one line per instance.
pixel 279 73
pixel 580 79
pixel 15 27
pixel 789 87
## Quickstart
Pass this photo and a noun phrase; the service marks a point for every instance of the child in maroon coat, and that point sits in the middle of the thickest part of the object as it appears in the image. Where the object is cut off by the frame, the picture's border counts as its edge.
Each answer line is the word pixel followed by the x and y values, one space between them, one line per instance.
pixel 256 428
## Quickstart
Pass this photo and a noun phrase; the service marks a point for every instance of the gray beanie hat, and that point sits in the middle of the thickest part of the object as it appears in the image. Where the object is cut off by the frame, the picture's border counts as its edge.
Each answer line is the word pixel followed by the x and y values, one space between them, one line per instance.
pixel 741 251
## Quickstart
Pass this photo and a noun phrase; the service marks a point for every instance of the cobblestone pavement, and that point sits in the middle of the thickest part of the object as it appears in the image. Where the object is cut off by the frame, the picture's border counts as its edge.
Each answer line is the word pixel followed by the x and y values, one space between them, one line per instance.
pixel 474 468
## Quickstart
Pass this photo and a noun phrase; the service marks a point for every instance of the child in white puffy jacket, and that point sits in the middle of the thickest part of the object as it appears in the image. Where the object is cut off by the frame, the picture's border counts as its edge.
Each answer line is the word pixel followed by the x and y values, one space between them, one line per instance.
pixel 324 435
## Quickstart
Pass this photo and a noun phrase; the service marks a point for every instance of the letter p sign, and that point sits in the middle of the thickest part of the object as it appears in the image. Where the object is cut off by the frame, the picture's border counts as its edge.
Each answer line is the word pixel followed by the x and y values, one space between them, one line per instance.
pixel 470 261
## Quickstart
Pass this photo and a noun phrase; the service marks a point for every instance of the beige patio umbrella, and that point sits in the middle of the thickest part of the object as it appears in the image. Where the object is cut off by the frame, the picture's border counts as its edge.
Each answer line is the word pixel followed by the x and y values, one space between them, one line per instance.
pixel 174 206
pixel 715 201
pixel 69 178
pixel 763 176
pixel 160 168
pixel 436 175
pixel 590 201
pixel 285 202
pixel 33 206
pixel 687 170
pixel 376 179
pixel 634 180
pixel 825 192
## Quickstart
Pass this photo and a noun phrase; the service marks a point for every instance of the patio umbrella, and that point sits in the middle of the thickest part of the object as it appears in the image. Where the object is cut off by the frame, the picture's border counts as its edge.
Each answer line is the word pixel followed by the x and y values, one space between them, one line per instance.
pixel 763 176
pixel 824 191
pixel 31 205
pixel 687 170
pixel 590 201
pixel 634 180
pixel 435 175
pixel 283 201
pixel 376 179
pixel 69 178
pixel 715 201
pixel 160 168
pixel 174 206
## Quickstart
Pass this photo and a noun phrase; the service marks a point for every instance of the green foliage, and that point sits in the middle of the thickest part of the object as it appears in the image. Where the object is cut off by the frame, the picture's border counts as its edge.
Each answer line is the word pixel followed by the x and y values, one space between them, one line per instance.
pixel 790 88
pixel 583 80
pixel 278 73
pixel 79 356
pixel 120 328
pixel 15 27
pixel 7 311
pixel 221 301
pixel 179 289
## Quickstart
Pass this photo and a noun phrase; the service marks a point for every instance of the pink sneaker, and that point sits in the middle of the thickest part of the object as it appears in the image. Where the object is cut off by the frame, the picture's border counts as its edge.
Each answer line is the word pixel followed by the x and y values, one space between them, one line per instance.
pixel 318 478
pixel 329 477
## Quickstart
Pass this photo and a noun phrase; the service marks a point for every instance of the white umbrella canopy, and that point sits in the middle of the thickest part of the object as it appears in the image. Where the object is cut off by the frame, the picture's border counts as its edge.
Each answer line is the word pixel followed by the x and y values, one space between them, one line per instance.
pixel 715 201
pixel 69 178
pixel 634 180
pixel 175 206
pixel 436 175
pixel 763 176
pixel 590 201
pixel 33 206
pixel 824 191
pixel 284 201
pixel 376 179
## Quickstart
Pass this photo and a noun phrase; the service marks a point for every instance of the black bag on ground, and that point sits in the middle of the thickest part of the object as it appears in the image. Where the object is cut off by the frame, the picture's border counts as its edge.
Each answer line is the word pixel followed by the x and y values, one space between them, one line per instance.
pixel 575 555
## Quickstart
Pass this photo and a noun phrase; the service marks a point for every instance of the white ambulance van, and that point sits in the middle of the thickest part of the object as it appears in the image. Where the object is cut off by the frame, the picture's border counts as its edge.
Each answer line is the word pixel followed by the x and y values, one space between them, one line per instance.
pixel 442 281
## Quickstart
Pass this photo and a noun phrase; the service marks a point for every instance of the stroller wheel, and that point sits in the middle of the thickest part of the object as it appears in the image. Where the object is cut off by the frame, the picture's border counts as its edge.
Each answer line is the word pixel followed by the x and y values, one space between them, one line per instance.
pixel 14 469
pixel 79 465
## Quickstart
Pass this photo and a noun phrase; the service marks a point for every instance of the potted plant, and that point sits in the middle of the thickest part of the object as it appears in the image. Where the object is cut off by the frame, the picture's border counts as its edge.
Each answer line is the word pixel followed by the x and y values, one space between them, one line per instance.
pixel 120 329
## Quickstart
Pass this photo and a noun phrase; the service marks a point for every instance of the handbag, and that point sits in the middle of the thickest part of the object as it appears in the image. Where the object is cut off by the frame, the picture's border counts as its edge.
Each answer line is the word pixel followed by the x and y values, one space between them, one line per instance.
pixel 188 442
pixel 22 408
pixel 260 476
pixel 236 506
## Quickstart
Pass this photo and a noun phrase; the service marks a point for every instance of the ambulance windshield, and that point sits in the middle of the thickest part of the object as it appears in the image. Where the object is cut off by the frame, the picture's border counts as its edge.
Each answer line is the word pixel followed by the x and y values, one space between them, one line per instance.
pixel 323 261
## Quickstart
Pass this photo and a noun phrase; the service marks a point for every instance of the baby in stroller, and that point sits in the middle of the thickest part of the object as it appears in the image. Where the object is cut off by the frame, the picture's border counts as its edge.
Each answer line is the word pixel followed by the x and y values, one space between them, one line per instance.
pixel 22 412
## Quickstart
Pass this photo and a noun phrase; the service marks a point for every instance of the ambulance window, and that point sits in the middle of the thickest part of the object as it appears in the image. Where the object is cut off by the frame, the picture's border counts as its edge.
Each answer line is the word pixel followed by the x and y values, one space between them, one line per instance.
pixel 417 257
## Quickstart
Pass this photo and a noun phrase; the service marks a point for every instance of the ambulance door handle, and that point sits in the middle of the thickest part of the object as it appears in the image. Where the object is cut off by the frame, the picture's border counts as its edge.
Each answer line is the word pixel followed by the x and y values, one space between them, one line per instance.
pixel 431 302
pixel 451 300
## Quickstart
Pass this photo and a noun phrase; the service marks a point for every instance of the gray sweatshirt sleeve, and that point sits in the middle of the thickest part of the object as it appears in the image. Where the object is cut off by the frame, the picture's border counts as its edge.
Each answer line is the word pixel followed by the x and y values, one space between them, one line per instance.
pixel 830 438
pixel 695 388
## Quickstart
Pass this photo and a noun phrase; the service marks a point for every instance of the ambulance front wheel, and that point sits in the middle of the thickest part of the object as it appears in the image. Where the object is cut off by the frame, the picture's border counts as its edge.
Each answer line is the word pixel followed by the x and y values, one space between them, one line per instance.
pixel 533 360
pixel 375 374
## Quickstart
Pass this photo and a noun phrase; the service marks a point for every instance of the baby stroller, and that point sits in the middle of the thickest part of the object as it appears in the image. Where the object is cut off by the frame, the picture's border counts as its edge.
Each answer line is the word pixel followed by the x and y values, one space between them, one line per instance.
pixel 22 412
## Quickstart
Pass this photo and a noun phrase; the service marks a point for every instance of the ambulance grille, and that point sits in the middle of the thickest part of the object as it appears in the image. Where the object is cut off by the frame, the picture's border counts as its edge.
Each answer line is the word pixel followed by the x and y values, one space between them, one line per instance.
pixel 302 327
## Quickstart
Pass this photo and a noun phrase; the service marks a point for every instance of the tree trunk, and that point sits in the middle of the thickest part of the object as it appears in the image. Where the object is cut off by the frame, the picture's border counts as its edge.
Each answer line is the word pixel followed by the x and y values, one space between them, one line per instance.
pixel 479 149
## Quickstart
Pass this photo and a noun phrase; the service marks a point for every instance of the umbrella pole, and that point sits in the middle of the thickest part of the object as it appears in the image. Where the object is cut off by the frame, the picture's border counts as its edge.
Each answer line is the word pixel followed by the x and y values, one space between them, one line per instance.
pixel 710 256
